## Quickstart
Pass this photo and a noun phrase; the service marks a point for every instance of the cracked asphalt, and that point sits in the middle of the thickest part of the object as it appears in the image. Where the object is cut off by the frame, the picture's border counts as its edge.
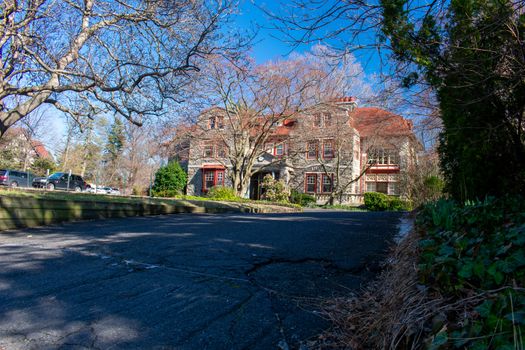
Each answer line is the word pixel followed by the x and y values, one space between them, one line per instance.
pixel 186 281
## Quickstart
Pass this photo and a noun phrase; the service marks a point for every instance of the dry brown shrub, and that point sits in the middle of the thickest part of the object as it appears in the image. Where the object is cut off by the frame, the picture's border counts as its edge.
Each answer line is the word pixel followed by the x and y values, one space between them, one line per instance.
pixel 393 312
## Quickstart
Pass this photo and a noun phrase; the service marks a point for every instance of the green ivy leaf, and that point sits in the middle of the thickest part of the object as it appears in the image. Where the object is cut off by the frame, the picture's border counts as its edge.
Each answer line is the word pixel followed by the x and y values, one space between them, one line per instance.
pixel 484 308
pixel 466 271
pixel 479 269
pixel 517 316
pixel 440 339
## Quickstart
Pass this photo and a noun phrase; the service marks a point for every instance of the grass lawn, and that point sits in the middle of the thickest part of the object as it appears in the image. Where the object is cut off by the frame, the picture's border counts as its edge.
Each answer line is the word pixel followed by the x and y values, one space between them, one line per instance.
pixel 91 197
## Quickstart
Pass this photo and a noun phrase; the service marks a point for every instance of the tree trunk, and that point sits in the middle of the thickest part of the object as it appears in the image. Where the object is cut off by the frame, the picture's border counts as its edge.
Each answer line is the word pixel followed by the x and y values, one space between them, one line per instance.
pixel 6 121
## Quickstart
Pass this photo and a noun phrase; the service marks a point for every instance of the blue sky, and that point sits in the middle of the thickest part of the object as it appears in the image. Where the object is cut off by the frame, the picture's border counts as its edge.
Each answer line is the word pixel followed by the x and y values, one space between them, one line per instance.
pixel 269 43
pixel 265 46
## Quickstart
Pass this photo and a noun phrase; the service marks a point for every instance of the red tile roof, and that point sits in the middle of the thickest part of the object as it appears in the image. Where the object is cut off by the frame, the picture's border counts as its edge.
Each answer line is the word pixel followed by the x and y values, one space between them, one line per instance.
pixel 40 149
pixel 213 166
pixel 282 130
pixel 370 121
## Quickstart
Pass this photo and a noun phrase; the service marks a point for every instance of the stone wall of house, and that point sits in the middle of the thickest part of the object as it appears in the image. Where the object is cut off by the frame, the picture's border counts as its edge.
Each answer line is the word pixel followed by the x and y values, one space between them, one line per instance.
pixel 348 156
pixel 293 169
pixel 197 160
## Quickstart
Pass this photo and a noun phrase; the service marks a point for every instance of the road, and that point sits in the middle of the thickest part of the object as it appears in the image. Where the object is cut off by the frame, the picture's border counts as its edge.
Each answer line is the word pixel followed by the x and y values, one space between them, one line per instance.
pixel 187 281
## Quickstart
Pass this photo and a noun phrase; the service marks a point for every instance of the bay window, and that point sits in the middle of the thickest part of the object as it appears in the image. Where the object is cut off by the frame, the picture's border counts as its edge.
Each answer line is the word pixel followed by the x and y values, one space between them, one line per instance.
pixel 211 178
pixel 383 157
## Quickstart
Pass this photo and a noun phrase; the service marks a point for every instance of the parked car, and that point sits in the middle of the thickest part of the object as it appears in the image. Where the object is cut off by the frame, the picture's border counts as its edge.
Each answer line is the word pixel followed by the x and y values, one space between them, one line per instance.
pixel 15 178
pixel 114 191
pixel 60 181
pixel 90 188
pixel 103 190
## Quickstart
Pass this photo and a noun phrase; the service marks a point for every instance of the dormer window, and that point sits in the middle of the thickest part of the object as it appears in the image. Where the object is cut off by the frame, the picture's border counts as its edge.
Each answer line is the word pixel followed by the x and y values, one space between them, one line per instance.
pixel 322 120
pixel 318 121
pixel 216 122
pixel 208 151
pixel 327 120
pixel 212 123
pixel 279 149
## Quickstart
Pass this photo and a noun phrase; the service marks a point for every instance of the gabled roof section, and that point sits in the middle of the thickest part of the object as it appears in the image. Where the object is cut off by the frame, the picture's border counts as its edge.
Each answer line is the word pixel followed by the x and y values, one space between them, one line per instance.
pixel 370 121
pixel 36 145
pixel 40 149
pixel 323 105
pixel 213 109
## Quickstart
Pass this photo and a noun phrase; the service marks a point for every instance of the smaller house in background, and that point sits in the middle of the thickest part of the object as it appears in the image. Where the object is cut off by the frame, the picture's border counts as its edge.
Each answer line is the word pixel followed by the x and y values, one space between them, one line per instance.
pixel 333 149
pixel 20 150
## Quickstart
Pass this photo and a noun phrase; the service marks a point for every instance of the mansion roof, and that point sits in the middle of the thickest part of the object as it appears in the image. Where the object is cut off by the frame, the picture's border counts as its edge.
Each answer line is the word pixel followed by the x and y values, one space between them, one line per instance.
pixel 370 121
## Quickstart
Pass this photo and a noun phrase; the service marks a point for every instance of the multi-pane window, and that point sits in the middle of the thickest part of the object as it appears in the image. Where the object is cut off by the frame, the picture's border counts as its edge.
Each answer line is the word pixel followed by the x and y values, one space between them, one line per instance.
pixel 312 150
pixel 318 183
pixel 327 183
pixel 220 122
pixel 384 183
pixel 382 187
pixel 279 149
pixel 327 120
pixel 318 120
pixel 393 188
pixel 311 183
pixel 328 149
pixel 211 178
pixel 221 151
pixel 383 157
pixel 208 151
pixel 212 123
pixel 322 120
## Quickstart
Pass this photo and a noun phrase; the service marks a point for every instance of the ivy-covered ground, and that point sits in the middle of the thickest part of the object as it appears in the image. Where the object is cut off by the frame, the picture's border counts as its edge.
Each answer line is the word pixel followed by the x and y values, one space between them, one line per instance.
pixel 457 282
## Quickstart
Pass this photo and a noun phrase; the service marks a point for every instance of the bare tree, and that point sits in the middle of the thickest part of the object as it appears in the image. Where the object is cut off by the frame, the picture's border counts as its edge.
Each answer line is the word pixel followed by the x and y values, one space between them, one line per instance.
pixel 254 103
pixel 359 31
pixel 132 57
pixel 23 143
pixel 139 159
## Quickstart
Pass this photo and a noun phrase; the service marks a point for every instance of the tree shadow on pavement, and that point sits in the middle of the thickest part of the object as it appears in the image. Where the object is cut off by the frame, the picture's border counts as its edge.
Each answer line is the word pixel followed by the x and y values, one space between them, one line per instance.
pixel 228 281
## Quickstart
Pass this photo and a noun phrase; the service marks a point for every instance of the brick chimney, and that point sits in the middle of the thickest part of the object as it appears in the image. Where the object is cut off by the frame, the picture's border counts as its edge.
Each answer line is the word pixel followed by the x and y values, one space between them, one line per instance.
pixel 349 102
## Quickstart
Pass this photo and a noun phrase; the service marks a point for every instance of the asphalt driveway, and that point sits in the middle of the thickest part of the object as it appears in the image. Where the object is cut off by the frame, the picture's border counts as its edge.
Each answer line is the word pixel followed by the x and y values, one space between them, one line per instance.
pixel 184 281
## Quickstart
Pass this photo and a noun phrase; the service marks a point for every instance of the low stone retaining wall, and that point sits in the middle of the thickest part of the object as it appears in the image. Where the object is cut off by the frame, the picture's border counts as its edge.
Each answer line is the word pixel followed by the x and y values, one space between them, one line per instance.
pixel 17 212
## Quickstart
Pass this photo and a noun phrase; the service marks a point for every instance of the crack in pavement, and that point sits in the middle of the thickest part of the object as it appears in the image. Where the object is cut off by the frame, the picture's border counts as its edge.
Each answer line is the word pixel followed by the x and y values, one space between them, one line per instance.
pixel 228 285
pixel 325 263
pixel 218 317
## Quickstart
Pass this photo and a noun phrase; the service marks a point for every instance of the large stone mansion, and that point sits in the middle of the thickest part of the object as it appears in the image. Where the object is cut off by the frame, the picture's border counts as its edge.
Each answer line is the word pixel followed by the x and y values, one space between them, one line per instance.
pixel 336 144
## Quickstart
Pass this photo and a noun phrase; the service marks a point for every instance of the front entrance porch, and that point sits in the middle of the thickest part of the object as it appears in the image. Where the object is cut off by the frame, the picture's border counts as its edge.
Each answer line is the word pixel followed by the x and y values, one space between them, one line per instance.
pixel 256 190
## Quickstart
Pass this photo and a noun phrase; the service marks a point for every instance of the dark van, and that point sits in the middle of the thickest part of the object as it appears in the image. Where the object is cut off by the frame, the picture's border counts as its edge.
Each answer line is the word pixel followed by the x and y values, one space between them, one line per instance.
pixel 15 178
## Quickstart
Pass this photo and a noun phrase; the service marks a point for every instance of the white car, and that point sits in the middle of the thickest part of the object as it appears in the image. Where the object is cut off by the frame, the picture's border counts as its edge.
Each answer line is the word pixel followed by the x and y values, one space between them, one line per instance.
pixel 114 191
pixel 104 190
